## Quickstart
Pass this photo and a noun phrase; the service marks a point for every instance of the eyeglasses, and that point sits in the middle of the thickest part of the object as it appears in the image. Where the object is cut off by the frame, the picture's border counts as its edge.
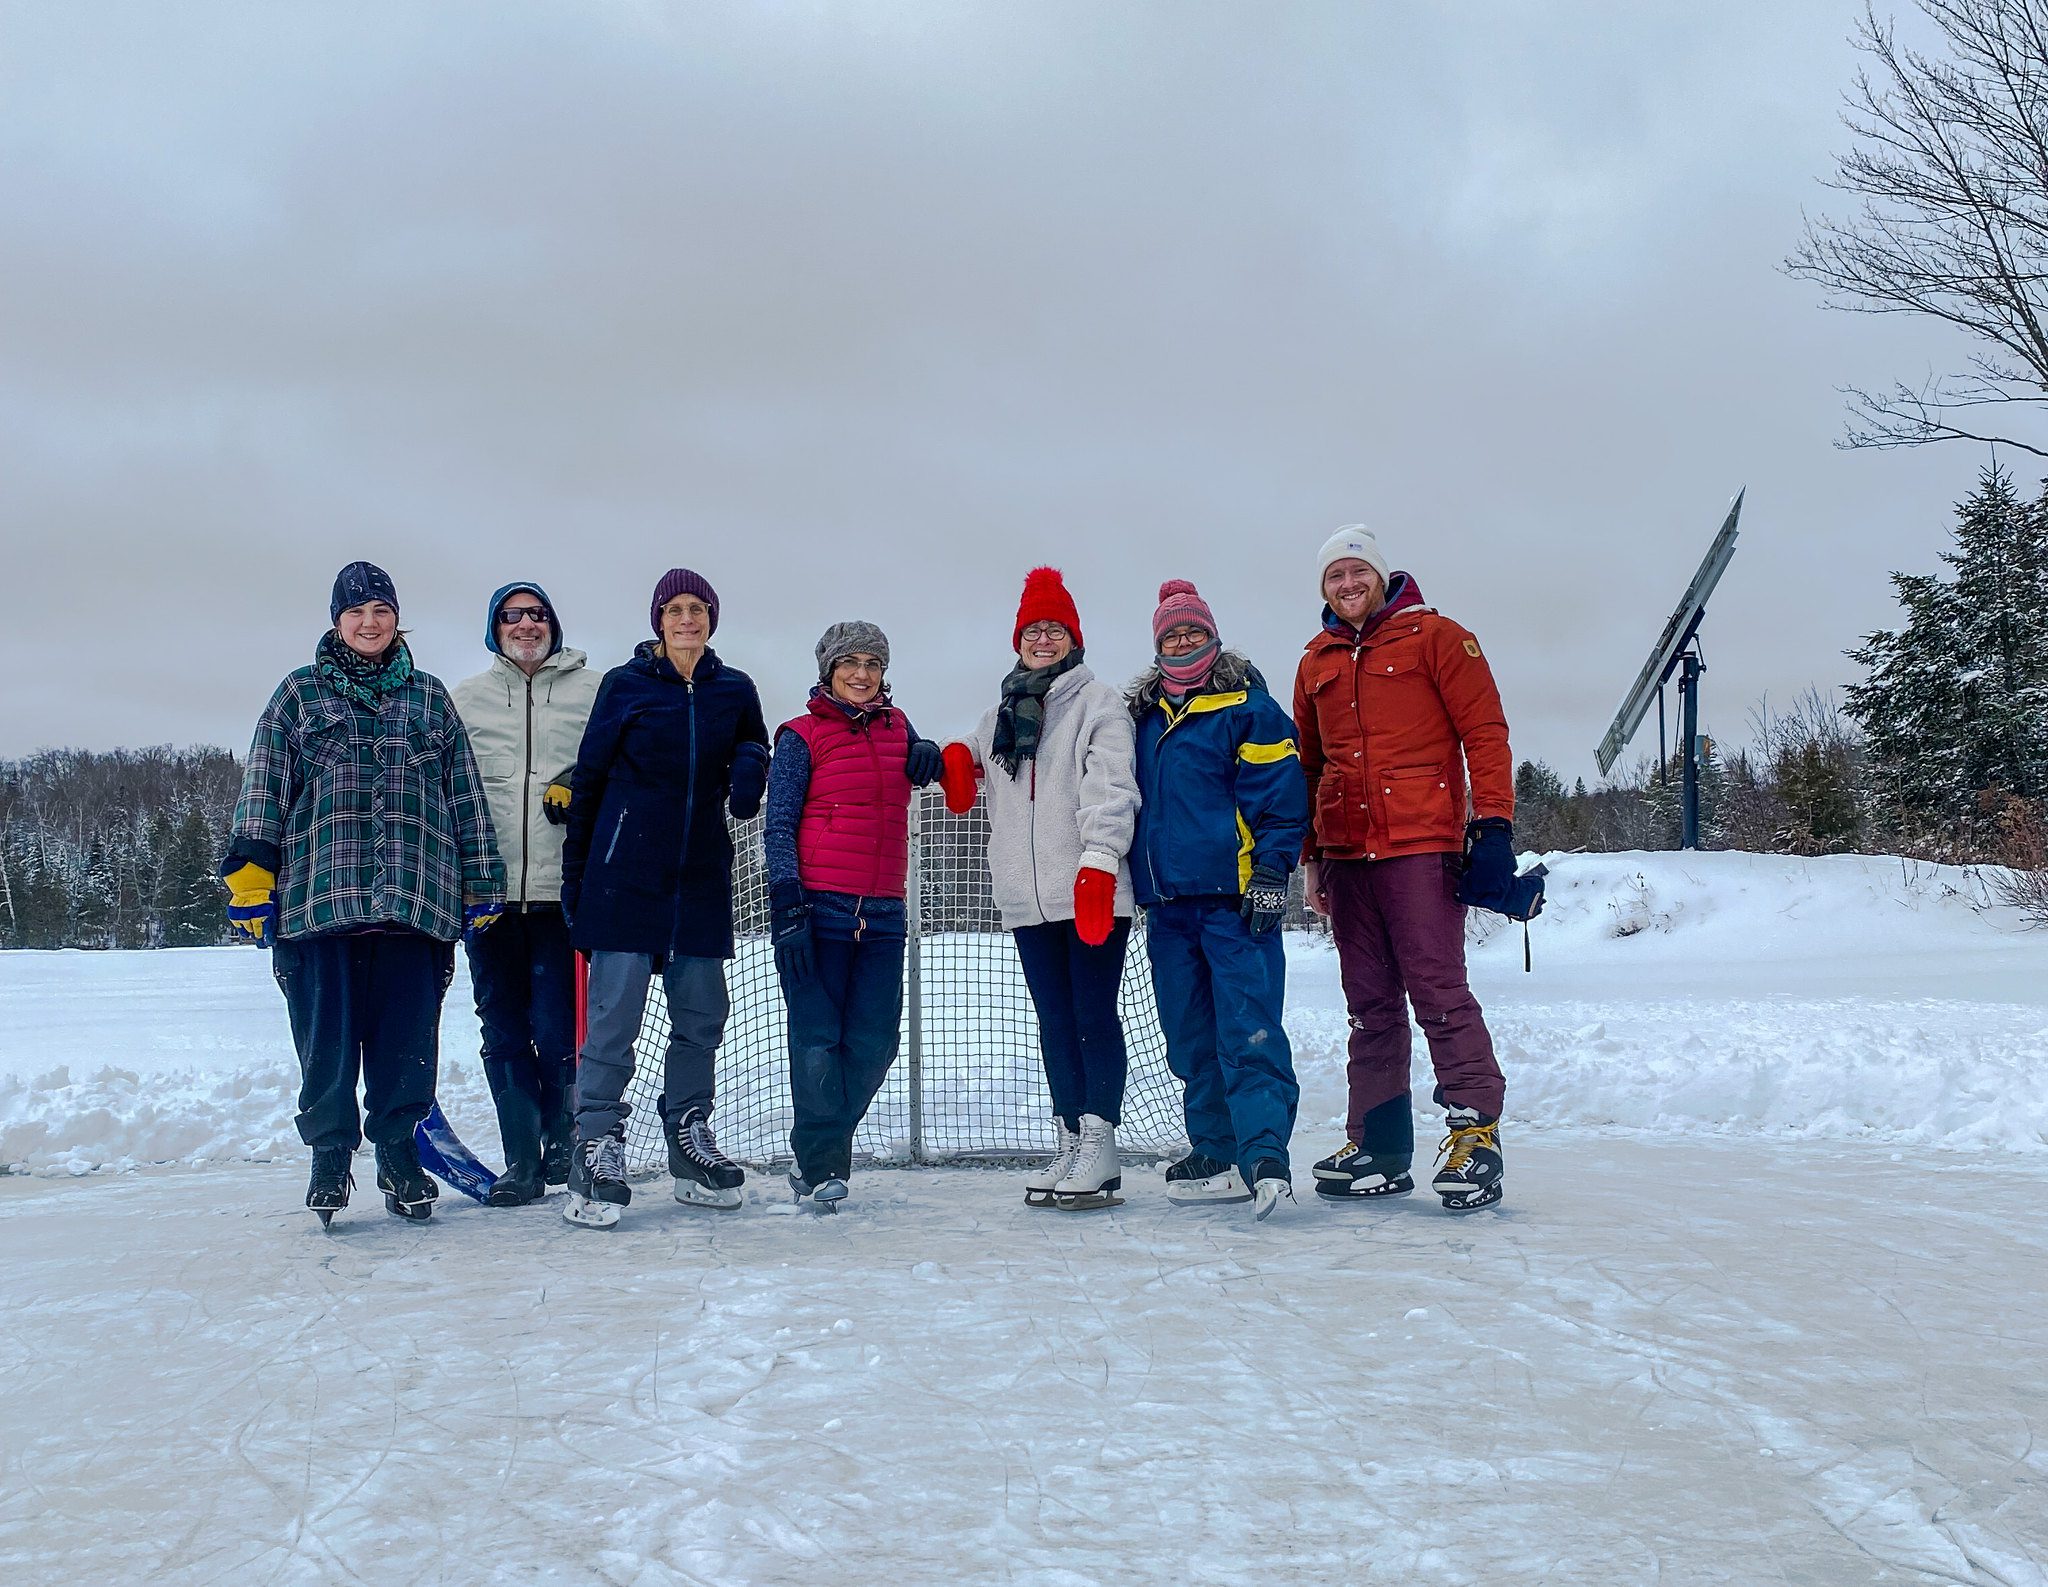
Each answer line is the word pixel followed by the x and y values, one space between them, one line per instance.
pixel 508 615
pixel 1046 631
pixel 1183 639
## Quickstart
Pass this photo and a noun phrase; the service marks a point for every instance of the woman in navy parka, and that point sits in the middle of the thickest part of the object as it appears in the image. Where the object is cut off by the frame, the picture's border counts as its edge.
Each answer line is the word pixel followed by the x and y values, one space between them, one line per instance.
pixel 675 738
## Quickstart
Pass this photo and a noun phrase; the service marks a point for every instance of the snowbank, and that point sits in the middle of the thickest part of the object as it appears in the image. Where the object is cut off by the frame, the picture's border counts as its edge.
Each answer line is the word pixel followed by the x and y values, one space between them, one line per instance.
pixel 1850 997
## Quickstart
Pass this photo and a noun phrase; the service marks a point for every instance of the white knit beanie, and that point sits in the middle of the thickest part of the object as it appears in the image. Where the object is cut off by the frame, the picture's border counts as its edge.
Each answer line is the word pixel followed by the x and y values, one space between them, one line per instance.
pixel 1353 540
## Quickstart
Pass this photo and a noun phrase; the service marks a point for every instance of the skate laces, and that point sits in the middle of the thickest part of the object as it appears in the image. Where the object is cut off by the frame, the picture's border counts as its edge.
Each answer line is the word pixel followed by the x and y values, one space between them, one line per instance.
pixel 1457 1147
pixel 703 1145
pixel 607 1158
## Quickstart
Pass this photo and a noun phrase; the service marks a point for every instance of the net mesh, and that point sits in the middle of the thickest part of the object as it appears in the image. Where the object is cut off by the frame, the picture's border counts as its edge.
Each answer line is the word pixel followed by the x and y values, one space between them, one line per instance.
pixel 967 1082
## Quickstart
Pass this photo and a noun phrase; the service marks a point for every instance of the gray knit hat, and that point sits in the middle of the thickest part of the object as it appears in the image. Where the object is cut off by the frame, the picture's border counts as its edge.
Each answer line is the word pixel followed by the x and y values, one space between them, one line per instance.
pixel 848 639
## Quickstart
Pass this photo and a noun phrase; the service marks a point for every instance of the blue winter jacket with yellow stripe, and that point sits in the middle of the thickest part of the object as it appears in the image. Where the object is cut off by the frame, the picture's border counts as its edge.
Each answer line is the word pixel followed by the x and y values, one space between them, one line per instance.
pixel 1222 786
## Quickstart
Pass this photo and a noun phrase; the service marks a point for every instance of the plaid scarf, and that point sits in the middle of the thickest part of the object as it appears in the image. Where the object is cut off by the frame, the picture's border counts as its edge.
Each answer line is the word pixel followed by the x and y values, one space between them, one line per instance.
pixel 1021 715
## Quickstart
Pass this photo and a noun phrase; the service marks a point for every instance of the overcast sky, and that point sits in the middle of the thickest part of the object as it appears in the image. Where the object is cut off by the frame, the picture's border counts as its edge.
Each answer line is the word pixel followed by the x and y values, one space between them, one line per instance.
pixel 861 309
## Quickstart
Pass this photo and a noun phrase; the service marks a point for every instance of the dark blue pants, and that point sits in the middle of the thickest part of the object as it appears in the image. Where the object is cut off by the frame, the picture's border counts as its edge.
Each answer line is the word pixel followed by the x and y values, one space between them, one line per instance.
pixel 523 972
pixel 1220 992
pixel 1074 989
pixel 844 1023
pixel 366 1004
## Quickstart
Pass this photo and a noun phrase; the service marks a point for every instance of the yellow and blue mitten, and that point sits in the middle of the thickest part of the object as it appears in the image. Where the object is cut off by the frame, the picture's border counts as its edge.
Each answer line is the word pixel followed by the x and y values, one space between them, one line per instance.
pixel 554 801
pixel 252 905
pixel 479 918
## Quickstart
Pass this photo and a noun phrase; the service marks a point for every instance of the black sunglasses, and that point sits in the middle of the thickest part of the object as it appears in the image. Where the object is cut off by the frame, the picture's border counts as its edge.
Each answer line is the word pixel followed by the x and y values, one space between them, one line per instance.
pixel 508 615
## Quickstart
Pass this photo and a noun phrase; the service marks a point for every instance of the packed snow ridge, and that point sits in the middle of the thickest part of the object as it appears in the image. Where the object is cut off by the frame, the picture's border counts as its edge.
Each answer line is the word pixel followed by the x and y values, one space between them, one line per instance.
pixel 1851 997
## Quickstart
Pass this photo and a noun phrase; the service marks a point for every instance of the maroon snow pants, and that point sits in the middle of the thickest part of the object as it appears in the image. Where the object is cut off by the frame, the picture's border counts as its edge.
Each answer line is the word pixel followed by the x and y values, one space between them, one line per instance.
pixel 1400 934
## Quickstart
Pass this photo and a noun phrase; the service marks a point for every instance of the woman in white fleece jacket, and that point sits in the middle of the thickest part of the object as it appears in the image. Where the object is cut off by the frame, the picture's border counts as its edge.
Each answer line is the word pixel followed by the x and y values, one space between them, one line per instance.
pixel 1058 756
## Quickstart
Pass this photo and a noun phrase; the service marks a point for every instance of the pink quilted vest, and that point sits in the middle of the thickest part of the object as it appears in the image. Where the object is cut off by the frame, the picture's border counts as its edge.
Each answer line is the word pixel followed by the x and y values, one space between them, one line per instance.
pixel 855 834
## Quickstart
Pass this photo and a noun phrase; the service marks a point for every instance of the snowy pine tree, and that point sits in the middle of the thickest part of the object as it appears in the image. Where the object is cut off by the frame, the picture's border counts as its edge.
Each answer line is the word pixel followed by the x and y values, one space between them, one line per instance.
pixel 1955 701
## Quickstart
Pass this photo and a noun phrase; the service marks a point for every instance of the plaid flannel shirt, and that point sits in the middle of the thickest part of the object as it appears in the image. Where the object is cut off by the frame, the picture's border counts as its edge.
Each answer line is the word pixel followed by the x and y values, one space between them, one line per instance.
pixel 369 816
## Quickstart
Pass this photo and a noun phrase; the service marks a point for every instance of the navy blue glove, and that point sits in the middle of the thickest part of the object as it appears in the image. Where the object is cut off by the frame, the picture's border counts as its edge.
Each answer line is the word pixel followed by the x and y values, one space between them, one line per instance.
pixel 1489 879
pixel 790 930
pixel 925 763
pixel 749 781
pixel 1265 900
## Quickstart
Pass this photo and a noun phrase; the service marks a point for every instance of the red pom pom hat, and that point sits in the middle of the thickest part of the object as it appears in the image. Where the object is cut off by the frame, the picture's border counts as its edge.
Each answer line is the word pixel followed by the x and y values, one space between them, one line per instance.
pixel 1045 601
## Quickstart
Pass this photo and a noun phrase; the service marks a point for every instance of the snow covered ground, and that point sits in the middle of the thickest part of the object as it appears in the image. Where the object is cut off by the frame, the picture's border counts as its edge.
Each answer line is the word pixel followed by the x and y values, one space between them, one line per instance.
pixel 1764 1304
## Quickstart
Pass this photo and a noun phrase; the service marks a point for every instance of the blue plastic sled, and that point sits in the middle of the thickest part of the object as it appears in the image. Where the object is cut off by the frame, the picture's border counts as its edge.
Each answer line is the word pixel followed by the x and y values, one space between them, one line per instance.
pixel 444 1156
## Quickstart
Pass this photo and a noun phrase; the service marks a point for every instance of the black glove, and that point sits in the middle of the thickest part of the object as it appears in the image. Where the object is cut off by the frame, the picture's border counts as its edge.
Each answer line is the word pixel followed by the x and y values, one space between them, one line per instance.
pixel 1489 863
pixel 925 762
pixel 790 931
pixel 749 781
pixel 1265 900
pixel 570 898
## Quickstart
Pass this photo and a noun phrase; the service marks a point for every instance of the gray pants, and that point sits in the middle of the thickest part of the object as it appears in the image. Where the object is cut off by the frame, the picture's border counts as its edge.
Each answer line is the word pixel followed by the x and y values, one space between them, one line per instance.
pixel 697 1005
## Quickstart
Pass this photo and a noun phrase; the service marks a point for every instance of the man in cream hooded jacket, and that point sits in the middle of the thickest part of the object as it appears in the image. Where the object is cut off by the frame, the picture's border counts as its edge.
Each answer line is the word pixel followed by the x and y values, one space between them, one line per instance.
pixel 525 715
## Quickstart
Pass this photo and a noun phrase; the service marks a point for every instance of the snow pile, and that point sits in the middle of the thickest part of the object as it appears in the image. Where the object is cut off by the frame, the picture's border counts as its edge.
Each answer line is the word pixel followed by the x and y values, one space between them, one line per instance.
pixel 1839 998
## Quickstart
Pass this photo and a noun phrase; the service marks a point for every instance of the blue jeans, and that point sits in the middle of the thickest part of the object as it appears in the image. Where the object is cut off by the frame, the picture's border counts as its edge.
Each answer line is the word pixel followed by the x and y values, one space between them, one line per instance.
pixel 844 1022
pixel 1220 992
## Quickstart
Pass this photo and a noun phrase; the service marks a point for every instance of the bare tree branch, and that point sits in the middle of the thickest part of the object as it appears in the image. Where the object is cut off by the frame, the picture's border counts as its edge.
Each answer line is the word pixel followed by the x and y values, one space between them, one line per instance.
pixel 1950 164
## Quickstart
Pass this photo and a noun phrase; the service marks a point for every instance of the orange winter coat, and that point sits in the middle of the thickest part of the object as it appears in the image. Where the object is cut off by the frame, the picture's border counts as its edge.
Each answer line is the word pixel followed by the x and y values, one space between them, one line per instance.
pixel 1389 725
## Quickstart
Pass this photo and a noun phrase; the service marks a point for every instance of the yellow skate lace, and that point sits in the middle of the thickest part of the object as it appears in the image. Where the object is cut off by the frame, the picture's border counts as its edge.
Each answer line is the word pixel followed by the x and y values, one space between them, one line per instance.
pixel 1457 1147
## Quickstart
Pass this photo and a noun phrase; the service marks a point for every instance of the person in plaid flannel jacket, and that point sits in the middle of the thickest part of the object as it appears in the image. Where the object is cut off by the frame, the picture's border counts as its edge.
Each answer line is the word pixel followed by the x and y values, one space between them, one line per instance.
pixel 360 849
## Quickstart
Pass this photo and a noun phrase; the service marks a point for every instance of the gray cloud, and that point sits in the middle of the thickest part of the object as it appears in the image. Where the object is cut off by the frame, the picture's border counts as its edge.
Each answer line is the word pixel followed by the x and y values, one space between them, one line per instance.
pixel 862 309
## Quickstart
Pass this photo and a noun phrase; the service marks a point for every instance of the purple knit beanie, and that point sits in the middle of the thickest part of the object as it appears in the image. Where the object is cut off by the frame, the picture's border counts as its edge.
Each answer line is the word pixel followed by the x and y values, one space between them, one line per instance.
pixel 1180 603
pixel 681 581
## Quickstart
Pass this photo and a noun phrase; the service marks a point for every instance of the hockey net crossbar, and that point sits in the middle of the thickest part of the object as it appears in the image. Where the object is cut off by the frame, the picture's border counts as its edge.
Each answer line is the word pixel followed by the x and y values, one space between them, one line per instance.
pixel 968 1083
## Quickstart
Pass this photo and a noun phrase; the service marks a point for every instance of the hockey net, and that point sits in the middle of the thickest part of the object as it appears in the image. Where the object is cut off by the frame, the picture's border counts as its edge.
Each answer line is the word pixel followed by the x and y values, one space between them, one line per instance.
pixel 968 1082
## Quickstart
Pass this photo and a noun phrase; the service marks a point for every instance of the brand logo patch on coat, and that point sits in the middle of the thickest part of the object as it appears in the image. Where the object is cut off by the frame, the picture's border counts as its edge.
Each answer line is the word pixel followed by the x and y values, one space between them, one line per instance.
pixel 1472 647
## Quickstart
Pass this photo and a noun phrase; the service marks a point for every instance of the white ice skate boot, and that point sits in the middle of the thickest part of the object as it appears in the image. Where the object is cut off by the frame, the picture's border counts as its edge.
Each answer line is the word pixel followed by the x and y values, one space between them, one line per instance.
pixel 1270 1188
pixel 1095 1177
pixel 1039 1183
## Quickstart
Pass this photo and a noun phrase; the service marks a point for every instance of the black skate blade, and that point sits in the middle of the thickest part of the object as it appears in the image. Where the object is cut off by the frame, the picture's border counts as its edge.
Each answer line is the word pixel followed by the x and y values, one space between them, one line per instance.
pixel 1472 1201
pixel 411 1211
pixel 325 1215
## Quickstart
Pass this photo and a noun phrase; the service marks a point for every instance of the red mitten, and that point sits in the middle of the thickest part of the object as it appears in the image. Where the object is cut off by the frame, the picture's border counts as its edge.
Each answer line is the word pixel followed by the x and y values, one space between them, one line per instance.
pixel 1094 905
pixel 958 778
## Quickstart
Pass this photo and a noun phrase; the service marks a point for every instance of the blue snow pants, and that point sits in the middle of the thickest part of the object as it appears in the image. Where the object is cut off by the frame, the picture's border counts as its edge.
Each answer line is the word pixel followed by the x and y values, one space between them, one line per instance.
pixel 1220 992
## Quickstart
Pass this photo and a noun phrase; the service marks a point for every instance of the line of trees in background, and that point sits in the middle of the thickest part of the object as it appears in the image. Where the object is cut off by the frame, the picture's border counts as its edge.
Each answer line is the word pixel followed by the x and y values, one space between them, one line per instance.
pixel 114 850
pixel 1939 752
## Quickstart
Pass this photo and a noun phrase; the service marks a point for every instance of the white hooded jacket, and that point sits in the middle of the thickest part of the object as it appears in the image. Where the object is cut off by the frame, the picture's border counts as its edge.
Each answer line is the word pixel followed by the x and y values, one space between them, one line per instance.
pixel 525 733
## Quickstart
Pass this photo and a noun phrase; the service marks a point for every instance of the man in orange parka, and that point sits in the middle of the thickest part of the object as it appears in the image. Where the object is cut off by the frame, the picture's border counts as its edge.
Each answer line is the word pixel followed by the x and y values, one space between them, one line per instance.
pixel 1395 706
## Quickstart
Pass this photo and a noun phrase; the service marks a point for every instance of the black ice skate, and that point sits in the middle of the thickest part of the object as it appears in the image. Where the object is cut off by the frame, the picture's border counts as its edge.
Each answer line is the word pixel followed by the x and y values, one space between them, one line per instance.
pixel 704 1176
pixel 1198 1178
pixel 597 1181
pixel 1354 1174
pixel 1471 1175
pixel 408 1192
pixel 328 1192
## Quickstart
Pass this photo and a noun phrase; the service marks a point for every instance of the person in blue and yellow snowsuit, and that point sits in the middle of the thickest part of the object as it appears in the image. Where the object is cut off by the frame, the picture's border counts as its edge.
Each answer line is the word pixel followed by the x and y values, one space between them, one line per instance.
pixel 1224 814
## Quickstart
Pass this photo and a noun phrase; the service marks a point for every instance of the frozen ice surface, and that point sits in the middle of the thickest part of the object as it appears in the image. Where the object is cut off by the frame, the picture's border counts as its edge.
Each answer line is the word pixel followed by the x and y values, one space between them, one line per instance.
pixel 1763 1305
pixel 1685 1361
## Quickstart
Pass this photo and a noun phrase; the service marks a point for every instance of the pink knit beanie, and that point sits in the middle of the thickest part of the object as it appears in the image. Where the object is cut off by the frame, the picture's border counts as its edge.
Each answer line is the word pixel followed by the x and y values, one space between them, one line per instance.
pixel 1180 603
